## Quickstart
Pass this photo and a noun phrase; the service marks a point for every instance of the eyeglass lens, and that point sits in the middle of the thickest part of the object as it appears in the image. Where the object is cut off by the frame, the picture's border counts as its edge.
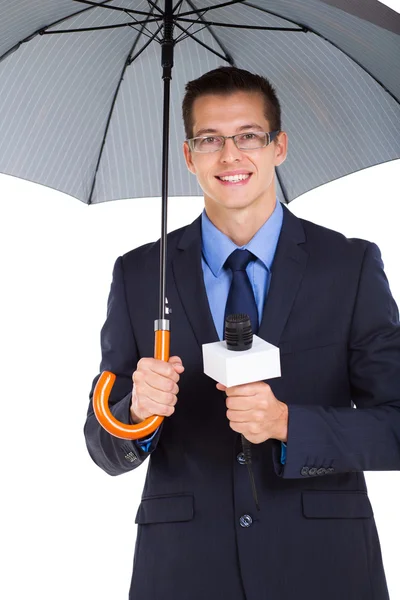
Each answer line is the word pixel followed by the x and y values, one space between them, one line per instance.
pixel 244 141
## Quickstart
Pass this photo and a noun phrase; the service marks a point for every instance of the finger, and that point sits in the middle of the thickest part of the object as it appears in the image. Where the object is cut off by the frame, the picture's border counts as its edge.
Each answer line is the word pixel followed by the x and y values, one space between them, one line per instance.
pixel 245 390
pixel 161 367
pixel 155 381
pixel 158 396
pixel 175 360
pixel 240 403
pixel 178 367
pixel 156 408
pixel 240 416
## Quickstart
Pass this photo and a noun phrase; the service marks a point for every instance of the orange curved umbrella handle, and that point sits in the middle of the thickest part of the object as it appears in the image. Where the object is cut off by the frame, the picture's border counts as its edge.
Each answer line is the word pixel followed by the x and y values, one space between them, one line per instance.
pixel 102 393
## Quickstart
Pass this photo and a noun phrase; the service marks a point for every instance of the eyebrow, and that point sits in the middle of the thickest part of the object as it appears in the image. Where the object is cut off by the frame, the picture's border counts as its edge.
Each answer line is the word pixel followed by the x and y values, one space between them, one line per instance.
pixel 241 128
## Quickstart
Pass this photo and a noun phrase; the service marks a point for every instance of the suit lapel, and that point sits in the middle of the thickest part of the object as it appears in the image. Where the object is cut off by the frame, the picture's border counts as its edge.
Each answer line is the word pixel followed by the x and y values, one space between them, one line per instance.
pixel 189 281
pixel 286 274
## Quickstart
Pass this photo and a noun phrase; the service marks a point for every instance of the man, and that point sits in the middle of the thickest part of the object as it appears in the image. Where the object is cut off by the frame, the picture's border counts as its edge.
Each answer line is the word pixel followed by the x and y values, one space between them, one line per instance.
pixel 324 300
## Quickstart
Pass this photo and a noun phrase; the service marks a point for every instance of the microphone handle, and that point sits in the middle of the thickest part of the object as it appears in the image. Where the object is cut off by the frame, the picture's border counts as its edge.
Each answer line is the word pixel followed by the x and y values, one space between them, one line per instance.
pixel 247 454
pixel 238 334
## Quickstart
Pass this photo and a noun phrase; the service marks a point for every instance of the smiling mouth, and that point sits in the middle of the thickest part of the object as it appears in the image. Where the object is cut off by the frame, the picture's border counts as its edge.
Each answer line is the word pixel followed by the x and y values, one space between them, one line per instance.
pixel 235 181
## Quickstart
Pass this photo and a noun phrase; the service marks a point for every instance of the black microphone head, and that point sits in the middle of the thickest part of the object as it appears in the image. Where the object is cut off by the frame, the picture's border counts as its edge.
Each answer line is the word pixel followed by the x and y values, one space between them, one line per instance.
pixel 238 332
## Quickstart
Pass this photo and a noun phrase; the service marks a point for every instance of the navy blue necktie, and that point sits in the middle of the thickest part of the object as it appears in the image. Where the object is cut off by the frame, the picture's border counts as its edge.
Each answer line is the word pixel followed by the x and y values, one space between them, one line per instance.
pixel 241 300
pixel 241 297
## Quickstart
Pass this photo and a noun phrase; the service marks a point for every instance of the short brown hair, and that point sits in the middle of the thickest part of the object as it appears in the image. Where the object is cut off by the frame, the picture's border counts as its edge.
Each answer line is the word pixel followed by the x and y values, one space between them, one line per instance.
pixel 226 81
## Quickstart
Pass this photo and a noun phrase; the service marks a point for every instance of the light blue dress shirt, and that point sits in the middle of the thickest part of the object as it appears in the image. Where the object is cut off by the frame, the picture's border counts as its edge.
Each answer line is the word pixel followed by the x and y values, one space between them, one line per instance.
pixel 216 247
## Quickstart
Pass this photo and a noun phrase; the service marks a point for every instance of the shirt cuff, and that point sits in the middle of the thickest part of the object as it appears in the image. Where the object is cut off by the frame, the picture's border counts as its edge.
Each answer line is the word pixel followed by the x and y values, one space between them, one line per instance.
pixel 145 443
pixel 283 453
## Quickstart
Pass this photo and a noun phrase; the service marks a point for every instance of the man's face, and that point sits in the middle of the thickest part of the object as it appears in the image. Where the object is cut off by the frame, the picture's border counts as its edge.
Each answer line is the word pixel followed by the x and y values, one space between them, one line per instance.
pixel 226 115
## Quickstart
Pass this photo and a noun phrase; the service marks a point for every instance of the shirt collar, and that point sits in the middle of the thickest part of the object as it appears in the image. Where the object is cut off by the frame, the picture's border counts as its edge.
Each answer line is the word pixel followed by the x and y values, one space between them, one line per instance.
pixel 216 246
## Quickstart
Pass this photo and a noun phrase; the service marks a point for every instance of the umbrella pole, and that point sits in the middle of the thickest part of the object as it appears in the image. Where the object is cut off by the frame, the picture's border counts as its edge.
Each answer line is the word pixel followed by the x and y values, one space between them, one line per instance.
pixel 161 325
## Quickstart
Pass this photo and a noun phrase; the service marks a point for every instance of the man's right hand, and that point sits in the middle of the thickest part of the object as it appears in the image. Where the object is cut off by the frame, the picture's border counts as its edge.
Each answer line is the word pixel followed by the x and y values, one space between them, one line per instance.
pixel 155 387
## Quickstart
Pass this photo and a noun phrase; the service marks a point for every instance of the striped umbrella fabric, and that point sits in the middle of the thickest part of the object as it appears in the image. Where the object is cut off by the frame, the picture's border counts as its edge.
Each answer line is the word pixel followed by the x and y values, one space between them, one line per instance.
pixel 81 88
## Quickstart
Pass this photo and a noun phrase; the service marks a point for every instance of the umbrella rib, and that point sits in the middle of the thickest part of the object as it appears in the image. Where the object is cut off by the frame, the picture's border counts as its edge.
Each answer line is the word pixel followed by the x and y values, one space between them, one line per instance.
pixel 128 11
pixel 154 5
pixel 177 6
pixel 182 37
pixel 128 62
pixel 229 58
pixel 307 28
pixel 133 58
pixel 149 34
pixel 271 12
pixel 41 30
pixel 233 26
pixel 118 8
pixel 101 27
pixel 283 188
pixel 223 5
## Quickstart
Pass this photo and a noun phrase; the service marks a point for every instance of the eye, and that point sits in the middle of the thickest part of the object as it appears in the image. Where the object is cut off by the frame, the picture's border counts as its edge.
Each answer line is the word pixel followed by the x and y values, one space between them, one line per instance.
pixel 249 136
pixel 209 140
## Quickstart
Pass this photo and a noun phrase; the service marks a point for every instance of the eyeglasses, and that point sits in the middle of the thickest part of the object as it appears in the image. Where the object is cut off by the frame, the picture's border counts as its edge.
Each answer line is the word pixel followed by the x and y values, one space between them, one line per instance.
pixel 243 141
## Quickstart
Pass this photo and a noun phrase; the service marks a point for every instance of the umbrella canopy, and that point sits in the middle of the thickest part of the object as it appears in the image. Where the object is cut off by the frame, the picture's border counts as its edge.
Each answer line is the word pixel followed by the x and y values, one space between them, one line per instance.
pixel 81 110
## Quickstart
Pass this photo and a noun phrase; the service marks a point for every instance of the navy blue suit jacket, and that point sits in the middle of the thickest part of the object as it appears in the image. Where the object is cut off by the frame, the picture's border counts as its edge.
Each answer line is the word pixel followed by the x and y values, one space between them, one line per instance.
pixel 330 311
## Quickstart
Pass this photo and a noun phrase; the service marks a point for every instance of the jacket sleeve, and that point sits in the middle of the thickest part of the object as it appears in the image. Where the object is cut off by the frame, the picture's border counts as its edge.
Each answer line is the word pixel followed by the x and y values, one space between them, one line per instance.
pixel 120 356
pixel 325 440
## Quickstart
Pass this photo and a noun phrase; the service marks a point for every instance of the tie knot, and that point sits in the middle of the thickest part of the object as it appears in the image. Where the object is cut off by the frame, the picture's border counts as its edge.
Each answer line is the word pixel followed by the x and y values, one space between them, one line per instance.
pixel 239 259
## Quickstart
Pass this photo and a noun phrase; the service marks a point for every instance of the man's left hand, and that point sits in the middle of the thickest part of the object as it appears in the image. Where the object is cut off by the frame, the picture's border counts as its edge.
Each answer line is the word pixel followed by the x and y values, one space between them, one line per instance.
pixel 254 411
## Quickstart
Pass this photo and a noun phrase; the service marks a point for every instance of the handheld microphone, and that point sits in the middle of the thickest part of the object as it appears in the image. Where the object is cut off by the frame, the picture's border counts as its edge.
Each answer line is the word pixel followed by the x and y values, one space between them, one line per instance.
pixel 241 358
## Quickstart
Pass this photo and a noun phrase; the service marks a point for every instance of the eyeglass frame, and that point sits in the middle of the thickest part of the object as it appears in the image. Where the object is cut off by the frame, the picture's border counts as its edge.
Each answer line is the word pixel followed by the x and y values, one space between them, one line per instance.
pixel 271 136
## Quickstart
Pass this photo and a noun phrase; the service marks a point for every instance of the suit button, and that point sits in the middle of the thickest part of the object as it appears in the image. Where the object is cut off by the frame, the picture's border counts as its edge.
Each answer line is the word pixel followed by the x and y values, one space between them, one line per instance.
pixel 241 459
pixel 321 471
pixel 245 520
pixel 130 457
pixel 312 471
pixel 304 471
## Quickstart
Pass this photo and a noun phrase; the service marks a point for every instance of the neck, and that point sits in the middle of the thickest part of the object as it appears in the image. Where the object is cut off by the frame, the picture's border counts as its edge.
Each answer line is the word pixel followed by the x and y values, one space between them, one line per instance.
pixel 241 225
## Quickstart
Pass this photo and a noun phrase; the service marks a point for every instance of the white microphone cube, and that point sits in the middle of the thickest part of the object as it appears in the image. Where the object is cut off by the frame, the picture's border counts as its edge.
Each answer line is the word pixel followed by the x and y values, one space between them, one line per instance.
pixel 230 367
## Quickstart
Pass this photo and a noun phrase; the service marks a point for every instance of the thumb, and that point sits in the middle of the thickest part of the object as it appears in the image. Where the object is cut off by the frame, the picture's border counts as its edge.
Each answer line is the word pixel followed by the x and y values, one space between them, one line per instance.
pixel 176 361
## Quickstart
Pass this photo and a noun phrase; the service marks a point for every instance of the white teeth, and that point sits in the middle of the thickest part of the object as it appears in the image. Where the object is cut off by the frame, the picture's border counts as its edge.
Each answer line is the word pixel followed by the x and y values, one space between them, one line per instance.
pixel 234 178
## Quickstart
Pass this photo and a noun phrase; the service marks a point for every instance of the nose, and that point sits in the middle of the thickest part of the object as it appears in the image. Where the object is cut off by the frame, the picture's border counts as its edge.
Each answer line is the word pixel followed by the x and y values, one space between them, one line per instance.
pixel 230 152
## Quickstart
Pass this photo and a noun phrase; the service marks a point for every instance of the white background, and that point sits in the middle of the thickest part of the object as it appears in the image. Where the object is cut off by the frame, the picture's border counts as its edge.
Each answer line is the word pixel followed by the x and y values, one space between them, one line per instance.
pixel 67 528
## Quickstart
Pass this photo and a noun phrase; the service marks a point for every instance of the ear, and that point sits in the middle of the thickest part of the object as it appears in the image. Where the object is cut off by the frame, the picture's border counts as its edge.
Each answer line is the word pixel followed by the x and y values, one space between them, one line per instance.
pixel 188 158
pixel 281 148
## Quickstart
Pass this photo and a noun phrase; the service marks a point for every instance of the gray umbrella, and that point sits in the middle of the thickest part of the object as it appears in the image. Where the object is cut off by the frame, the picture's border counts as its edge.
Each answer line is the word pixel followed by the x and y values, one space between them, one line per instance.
pixel 82 112
pixel 81 85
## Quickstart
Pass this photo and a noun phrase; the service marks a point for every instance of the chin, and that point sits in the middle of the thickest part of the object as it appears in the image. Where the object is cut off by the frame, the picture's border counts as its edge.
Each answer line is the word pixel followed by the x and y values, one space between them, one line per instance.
pixel 233 201
pixel 237 202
